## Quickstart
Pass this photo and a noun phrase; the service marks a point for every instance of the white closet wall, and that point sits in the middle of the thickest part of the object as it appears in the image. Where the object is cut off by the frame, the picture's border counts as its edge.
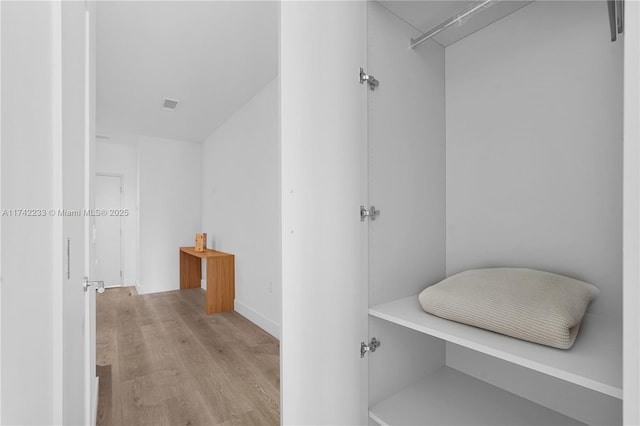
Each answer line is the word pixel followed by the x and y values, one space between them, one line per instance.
pixel 534 144
pixel 580 403
pixel 534 147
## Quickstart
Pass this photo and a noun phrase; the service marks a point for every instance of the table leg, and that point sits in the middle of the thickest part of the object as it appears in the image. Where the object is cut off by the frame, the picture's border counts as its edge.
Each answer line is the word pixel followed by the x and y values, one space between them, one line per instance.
pixel 221 289
pixel 190 271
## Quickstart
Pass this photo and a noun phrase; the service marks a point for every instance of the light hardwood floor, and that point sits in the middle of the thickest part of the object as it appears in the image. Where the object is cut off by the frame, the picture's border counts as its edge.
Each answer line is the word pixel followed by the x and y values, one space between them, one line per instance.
pixel 162 361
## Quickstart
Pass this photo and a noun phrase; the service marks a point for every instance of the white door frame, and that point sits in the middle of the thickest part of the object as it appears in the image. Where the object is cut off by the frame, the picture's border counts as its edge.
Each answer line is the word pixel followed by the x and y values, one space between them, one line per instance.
pixel 0 221
pixel 91 380
pixel 120 206
pixel 57 249
pixel 57 203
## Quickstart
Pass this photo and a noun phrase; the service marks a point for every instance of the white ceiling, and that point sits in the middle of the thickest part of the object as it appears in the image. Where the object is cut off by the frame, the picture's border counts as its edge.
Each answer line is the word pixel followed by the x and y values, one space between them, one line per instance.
pixel 427 14
pixel 211 56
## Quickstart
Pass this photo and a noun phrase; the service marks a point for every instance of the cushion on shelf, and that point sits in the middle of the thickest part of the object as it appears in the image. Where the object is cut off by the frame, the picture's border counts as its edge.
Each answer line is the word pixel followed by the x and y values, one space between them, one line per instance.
pixel 531 305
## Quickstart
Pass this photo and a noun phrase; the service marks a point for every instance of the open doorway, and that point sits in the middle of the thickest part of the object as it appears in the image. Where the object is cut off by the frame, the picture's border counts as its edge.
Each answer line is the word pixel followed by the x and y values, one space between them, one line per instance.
pixel 187 114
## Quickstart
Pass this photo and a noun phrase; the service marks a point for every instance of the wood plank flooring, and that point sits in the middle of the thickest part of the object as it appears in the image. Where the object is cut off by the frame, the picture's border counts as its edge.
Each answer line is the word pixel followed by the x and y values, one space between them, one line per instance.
pixel 162 361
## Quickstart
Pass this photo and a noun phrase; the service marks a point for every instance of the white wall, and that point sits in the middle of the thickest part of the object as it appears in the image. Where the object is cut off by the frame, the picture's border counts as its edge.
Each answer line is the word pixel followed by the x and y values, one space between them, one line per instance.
pixel 162 183
pixel 114 157
pixel 169 190
pixel 534 146
pixel 27 149
pixel 241 204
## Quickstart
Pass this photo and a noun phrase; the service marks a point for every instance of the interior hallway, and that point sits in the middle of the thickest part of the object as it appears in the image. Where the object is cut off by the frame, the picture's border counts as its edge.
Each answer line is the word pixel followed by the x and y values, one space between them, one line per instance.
pixel 162 361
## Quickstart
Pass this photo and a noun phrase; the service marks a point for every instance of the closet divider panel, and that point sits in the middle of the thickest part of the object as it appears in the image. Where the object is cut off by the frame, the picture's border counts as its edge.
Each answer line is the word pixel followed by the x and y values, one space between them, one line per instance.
pixel 406 183
pixel 323 152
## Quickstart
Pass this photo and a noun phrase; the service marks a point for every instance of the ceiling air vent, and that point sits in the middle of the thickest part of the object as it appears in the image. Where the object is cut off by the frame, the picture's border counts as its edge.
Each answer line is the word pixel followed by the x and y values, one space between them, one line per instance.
pixel 169 104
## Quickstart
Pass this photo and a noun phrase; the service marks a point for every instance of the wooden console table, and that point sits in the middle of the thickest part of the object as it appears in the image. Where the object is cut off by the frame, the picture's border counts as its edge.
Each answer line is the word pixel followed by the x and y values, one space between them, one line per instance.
pixel 221 287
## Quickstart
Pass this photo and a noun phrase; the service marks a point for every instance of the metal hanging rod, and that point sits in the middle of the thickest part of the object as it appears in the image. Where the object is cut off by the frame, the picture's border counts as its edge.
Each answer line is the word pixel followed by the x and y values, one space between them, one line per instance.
pixel 451 21
pixel 616 17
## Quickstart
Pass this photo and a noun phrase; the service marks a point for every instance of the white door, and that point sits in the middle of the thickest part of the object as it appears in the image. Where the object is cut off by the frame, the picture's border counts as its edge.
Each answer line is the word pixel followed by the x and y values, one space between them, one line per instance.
pixel 324 247
pixel 76 127
pixel 108 230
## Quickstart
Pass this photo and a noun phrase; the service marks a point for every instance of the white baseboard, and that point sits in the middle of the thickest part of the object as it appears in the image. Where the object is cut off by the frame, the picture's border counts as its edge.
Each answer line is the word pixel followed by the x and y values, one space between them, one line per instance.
pixel 94 414
pixel 115 286
pixel 258 319
pixel 139 288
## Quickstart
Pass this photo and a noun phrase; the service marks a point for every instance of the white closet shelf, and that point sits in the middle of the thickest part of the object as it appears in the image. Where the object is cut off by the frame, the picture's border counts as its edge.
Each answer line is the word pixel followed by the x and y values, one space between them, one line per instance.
pixel 594 361
pixel 449 397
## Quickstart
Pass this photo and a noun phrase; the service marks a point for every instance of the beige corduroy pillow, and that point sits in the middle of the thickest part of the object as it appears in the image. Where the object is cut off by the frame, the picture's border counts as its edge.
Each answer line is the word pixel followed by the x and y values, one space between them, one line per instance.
pixel 531 305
